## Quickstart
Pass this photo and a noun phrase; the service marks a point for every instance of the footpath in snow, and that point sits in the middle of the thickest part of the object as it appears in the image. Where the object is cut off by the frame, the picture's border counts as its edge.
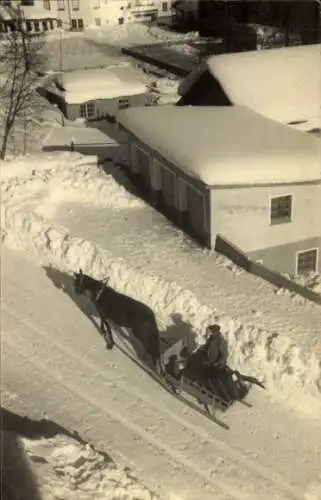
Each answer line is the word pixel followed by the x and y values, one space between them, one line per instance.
pixel 70 214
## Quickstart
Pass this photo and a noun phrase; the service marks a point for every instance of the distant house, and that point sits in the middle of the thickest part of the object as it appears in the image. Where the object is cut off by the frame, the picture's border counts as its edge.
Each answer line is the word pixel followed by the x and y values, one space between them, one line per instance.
pixel 98 93
pixel 38 16
pixel 283 84
pixel 231 171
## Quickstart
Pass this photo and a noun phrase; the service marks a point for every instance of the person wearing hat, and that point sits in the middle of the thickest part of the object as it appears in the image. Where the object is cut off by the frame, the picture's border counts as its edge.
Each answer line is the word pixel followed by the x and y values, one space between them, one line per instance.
pixel 212 351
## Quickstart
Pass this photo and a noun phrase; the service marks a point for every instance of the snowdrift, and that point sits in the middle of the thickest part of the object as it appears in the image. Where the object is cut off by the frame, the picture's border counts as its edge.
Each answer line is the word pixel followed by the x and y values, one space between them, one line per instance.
pixel 65 468
pixel 288 371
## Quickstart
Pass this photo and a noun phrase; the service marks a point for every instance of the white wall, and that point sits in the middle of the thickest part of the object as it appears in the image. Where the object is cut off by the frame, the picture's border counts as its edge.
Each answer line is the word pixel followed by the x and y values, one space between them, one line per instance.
pixel 35 12
pixel 69 12
pixel 110 11
pixel 243 215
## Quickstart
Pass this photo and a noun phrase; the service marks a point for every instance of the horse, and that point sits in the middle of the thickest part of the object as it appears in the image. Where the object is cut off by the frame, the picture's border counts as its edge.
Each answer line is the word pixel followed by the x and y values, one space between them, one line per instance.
pixel 124 312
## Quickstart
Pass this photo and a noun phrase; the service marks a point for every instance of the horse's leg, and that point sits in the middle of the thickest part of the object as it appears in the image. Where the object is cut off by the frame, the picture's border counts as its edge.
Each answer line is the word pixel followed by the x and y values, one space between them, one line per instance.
pixel 105 329
pixel 108 335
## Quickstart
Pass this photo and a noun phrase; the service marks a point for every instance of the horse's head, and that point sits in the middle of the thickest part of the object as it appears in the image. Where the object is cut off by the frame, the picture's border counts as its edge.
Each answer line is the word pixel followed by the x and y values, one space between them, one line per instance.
pixel 87 285
pixel 79 282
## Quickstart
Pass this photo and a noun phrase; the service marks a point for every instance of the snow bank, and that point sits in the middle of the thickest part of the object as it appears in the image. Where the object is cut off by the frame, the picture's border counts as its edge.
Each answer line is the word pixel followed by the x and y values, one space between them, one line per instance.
pixel 288 371
pixel 132 34
pixel 312 281
pixel 41 176
pixel 66 469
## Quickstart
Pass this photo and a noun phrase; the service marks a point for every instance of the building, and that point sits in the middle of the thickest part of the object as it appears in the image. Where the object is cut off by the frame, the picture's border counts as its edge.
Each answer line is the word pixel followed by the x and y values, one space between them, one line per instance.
pixel 230 171
pixel 77 15
pixel 100 93
pixel 74 14
pixel 124 11
pixel 283 84
pixel 38 16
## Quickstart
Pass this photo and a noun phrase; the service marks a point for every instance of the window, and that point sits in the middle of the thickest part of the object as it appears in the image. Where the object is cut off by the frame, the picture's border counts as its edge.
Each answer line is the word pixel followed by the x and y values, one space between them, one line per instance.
pixel 27 3
pixel 307 261
pixel 59 23
pixel 281 209
pixel 120 20
pixel 97 21
pixel 45 25
pixel 80 24
pixel 75 4
pixel 37 26
pixel 29 25
pixel 74 24
pixel 123 103
pixel 87 110
pixel 46 4
pixel 61 4
pixel 96 4
pixel 165 7
pixel 51 24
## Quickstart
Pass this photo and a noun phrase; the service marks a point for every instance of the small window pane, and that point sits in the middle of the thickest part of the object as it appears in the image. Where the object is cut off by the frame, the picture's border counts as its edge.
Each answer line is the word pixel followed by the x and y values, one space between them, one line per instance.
pixel 281 209
pixel 307 261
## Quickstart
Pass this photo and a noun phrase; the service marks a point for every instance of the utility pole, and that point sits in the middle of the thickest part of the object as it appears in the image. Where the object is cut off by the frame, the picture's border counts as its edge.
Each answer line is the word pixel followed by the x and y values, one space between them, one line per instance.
pixel 60 48
pixel 69 13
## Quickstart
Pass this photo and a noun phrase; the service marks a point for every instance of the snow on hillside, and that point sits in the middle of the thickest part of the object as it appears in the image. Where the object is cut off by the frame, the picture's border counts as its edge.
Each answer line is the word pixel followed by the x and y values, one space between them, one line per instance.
pixel 66 212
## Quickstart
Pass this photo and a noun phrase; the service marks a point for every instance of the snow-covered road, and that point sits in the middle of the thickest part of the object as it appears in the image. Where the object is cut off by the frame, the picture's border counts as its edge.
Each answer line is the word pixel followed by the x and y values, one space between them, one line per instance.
pixel 56 364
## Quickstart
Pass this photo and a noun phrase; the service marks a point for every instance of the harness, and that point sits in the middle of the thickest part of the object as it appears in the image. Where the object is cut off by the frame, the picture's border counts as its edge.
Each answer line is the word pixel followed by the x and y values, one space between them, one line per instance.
pixel 100 291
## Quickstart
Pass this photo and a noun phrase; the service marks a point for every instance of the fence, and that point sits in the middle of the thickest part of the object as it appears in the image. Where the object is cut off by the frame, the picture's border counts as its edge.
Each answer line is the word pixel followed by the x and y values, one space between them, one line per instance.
pixel 239 258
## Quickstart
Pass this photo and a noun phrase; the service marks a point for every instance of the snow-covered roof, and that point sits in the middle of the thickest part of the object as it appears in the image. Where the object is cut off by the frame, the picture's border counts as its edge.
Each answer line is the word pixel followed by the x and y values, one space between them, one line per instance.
pixel 226 145
pixel 63 136
pixel 283 84
pixel 106 83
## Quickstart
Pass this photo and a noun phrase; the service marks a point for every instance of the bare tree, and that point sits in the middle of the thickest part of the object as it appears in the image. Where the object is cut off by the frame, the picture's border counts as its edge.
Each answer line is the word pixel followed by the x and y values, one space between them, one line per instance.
pixel 20 64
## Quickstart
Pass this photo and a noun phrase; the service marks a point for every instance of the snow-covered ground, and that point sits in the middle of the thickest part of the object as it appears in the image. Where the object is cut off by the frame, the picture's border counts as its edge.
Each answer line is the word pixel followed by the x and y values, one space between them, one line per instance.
pixel 66 211
pixel 129 35
pixel 54 365
pixel 60 212
pixel 100 47
pixel 63 468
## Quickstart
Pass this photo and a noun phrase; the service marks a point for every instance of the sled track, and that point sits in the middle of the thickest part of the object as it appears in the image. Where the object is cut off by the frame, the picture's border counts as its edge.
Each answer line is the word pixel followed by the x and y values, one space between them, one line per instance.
pixel 33 344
